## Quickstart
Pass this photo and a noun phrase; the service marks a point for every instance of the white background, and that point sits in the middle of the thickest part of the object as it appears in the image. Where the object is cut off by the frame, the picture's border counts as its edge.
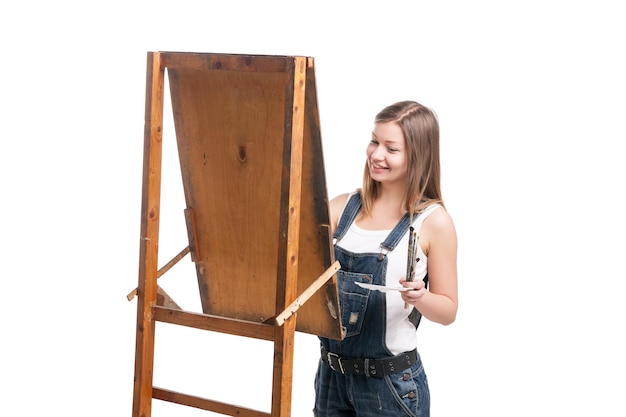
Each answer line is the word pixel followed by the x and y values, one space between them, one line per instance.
pixel 531 101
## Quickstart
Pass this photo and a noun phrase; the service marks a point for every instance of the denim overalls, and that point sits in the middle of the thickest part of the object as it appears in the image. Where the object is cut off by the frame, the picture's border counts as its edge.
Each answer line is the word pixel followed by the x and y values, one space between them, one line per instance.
pixel 350 380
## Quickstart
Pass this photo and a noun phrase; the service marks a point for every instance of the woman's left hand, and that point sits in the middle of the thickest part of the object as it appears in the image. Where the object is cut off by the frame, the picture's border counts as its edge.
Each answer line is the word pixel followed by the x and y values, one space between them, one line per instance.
pixel 419 289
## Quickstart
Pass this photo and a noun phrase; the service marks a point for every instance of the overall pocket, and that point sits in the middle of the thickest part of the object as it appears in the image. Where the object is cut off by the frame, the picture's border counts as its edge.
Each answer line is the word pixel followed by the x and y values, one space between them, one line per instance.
pixel 410 390
pixel 353 300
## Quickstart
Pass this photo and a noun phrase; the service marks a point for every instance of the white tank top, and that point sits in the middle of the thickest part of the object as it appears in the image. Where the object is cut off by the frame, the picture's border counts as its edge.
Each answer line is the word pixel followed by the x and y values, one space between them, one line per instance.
pixel 400 332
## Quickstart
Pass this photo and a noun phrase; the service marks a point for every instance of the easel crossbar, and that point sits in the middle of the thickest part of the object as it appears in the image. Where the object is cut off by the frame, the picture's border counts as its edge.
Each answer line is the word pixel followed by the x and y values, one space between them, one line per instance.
pixel 205 404
pixel 214 323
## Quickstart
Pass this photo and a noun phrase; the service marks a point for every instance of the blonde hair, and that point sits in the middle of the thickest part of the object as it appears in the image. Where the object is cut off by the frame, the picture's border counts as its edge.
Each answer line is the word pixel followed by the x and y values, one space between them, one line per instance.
pixel 421 132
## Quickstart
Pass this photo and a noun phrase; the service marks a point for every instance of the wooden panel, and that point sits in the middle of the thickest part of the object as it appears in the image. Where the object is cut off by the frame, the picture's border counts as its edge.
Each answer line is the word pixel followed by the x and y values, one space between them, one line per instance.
pixel 232 117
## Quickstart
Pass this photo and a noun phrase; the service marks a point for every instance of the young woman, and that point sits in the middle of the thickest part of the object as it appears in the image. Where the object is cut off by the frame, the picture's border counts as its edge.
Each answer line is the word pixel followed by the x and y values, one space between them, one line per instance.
pixel 376 371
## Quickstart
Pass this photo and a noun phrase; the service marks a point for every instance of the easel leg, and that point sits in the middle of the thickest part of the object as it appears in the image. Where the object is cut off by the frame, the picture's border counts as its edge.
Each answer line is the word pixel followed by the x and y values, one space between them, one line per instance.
pixel 283 368
pixel 148 252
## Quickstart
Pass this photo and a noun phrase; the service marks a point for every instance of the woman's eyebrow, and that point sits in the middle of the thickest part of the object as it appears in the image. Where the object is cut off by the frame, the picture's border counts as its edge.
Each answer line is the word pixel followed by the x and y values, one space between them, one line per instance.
pixel 388 141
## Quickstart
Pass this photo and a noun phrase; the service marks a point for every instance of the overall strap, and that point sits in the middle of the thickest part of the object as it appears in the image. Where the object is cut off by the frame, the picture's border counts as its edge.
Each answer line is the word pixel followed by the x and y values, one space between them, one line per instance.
pixel 403 226
pixel 396 234
pixel 352 209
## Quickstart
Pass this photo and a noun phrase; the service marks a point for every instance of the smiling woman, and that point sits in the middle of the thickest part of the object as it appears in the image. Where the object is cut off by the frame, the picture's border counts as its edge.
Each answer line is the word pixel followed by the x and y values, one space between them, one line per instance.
pixel 377 365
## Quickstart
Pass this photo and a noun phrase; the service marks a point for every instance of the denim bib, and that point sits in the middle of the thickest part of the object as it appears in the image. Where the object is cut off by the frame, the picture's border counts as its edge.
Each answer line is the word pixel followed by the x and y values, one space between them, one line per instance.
pixel 363 311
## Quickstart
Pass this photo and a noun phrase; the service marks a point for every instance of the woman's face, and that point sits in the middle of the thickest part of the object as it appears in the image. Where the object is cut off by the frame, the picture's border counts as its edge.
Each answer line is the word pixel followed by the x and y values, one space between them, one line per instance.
pixel 386 153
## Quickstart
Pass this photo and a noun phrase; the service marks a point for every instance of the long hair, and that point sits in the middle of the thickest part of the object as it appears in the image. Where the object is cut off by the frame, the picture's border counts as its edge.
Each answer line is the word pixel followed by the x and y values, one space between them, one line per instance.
pixel 421 132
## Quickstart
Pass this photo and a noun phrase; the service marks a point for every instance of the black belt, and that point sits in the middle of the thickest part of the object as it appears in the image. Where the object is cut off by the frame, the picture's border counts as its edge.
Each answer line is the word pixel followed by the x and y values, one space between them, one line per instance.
pixel 369 367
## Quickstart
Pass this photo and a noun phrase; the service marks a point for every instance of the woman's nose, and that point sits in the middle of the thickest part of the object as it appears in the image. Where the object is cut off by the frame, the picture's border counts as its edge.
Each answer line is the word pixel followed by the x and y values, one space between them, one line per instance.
pixel 379 153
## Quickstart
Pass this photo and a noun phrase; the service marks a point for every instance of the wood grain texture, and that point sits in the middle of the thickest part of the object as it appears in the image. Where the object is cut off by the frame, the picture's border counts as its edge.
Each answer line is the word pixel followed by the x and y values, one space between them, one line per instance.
pixel 234 136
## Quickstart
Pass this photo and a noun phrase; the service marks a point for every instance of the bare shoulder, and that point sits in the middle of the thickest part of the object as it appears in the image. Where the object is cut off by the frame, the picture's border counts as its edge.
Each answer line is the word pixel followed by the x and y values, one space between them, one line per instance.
pixel 336 205
pixel 438 229
pixel 439 220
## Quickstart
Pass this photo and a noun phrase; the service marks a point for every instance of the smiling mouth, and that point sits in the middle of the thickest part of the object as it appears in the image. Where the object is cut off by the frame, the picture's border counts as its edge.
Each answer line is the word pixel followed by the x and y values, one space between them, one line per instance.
pixel 376 166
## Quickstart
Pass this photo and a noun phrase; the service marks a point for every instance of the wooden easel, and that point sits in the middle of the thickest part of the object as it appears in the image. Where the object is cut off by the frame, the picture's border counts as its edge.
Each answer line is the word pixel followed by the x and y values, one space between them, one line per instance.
pixel 247 129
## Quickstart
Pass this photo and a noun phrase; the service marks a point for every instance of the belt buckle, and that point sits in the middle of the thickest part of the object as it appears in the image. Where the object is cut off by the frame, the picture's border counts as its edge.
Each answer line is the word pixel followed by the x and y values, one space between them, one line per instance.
pixel 330 356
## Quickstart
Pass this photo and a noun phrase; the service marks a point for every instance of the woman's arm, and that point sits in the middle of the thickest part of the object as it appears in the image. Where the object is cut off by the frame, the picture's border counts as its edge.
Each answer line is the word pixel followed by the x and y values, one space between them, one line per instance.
pixel 440 302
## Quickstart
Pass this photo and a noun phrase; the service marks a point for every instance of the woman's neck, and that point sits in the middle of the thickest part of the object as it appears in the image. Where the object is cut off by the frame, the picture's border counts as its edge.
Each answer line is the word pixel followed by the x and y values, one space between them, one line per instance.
pixel 387 210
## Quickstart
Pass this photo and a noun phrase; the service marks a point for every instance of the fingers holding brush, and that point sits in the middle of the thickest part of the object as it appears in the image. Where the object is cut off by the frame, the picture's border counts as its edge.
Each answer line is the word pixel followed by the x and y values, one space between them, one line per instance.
pixel 417 292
